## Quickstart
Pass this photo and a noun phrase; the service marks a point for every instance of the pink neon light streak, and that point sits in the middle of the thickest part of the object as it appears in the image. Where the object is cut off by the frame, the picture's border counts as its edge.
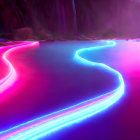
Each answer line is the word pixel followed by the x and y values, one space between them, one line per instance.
pixel 10 78
pixel 74 109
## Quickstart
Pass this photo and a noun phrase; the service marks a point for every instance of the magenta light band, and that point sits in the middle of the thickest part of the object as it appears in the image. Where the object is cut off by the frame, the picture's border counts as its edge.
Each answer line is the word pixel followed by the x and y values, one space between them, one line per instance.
pixel 10 78
pixel 47 124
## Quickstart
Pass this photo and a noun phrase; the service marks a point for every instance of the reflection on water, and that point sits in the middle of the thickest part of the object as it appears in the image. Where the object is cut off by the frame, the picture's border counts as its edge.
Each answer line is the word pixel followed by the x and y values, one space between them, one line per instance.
pixel 50 80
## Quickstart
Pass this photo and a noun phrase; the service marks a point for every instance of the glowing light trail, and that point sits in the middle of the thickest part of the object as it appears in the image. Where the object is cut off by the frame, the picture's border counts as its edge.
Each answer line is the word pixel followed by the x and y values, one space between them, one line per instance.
pixel 44 125
pixel 10 78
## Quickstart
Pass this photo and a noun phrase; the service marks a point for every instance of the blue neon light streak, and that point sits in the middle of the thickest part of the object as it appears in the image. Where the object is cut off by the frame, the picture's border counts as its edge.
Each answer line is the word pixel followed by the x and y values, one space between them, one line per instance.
pixel 53 125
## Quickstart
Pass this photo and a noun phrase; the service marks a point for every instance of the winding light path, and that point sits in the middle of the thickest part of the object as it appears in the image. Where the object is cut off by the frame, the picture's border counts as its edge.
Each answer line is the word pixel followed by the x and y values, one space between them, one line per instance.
pixel 44 125
pixel 10 78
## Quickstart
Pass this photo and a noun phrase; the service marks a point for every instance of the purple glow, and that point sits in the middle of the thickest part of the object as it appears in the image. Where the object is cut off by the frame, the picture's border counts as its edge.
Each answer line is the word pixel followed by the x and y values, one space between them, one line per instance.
pixel 44 125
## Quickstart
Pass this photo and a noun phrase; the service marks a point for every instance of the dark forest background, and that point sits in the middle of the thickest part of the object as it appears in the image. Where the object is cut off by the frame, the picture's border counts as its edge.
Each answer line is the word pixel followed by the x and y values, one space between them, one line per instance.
pixel 71 18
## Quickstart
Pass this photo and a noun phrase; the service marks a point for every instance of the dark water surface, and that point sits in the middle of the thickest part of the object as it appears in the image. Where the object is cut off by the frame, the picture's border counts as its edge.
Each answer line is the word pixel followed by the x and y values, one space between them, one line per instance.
pixel 49 79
